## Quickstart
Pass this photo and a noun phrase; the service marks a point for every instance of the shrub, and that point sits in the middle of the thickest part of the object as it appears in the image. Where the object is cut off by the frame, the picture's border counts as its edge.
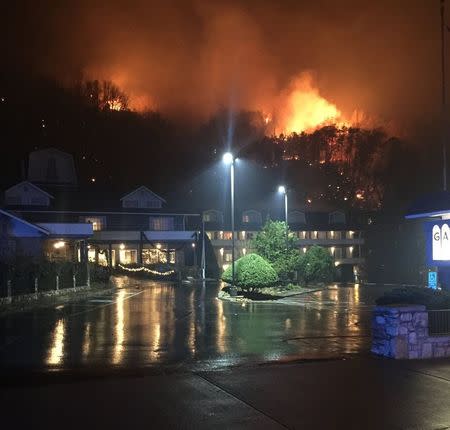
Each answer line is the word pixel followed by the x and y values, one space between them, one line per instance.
pixel 98 273
pixel 251 272
pixel 432 299
pixel 316 265
pixel 277 248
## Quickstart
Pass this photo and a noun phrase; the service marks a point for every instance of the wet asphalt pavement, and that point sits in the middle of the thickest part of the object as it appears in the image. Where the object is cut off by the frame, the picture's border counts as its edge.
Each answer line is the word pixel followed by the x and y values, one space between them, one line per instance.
pixel 146 323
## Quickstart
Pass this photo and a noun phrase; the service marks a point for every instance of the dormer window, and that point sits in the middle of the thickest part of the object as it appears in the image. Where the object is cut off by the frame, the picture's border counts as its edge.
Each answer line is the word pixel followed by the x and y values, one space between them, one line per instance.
pixel 251 217
pixel 142 198
pixel 337 218
pixel 297 217
pixel 213 215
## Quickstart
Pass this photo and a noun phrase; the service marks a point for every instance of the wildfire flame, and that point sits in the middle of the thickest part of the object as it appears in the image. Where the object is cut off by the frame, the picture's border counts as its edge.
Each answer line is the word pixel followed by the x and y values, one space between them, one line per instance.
pixel 115 105
pixel 304 109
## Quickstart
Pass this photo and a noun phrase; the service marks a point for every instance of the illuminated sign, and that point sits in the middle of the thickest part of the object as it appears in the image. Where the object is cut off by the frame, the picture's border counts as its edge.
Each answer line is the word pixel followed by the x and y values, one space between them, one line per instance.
pixel 432 280
pixel 438 243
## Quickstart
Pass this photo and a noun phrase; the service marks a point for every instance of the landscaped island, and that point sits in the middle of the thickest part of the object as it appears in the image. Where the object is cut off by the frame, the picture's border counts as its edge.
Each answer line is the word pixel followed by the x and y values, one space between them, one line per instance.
pixel 269 273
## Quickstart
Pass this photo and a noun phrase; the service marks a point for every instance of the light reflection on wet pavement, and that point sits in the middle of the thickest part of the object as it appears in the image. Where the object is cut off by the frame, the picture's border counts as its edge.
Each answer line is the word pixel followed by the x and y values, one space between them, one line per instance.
pixel 146 323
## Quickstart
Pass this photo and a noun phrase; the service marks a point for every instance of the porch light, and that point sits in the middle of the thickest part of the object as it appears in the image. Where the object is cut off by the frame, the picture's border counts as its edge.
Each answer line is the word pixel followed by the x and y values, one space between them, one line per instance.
pixel 59 245
pixel 122 246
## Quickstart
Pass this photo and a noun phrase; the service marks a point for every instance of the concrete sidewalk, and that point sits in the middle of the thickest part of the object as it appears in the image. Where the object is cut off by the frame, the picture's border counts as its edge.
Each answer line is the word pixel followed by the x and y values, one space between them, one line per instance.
pixel 362 393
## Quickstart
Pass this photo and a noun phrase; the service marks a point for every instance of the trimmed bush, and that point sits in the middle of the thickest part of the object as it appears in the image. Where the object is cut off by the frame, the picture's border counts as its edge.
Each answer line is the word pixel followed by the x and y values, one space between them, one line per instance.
pixel 99 273
pixel 251 272
pixel 432 299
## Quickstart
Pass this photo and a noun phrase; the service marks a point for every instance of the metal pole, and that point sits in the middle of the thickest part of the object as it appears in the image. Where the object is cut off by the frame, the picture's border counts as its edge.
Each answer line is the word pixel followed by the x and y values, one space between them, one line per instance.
pixel 286 215
pixel 203 251
pixel 232 221
pixel 444 107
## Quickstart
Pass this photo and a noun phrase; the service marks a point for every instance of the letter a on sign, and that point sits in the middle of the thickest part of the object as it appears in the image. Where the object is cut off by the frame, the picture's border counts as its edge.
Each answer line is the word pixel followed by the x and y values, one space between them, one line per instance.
pixel 437 243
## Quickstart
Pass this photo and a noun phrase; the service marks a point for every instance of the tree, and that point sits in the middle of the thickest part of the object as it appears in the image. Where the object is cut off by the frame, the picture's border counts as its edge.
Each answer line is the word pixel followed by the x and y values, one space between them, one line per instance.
pixel 251 272
pixel 280 250
pixel 316 265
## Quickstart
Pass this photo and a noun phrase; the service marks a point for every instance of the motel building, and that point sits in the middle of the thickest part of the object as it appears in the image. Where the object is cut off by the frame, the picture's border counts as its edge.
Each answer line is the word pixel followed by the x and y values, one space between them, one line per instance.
pixel 433 212
pixel 114 228
pixel 336 231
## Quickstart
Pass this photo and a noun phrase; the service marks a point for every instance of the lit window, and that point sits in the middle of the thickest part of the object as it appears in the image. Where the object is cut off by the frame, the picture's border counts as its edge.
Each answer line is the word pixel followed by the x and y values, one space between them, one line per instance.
pixel 251 217
pixel 213 216
pixel 153 256
pixel 128 256
pixel 227 235
pixel 98 223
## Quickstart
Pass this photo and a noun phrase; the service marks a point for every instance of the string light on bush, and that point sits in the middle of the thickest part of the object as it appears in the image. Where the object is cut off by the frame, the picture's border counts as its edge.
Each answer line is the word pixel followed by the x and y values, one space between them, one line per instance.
pixel 145 269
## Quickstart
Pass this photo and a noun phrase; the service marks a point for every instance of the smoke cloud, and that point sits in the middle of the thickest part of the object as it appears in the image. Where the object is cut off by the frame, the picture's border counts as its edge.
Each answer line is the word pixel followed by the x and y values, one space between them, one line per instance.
pixel 191 58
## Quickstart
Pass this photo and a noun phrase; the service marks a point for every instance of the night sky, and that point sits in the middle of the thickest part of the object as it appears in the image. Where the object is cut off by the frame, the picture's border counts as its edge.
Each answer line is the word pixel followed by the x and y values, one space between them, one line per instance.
pixel 203 76
pixel 190 58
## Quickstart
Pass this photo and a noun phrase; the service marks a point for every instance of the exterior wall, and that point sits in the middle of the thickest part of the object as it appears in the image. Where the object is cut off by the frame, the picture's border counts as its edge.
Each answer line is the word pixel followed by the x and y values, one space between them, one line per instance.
pixel 51 166
pixel 143 199
pixel 25 194
pixel 346 246
pixel 402 332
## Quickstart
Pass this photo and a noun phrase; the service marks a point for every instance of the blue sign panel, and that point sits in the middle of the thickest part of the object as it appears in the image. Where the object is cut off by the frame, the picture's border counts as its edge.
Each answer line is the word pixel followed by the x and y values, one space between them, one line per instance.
pixel 432 280
pixel 437 234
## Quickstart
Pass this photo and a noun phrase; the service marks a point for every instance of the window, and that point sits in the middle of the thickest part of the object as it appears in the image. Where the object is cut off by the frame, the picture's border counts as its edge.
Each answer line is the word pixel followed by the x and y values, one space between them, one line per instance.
pixel 213 216
pixel 154 256
pixel 38 201
pixel 336 218
pixel 130 204
pixel 321 235
pixel 154 204
pixel 98 222
pixel 350 234
pixel 128 256
pixel 297 217
pixel 251 217
pixel 161 223
pixel 227 235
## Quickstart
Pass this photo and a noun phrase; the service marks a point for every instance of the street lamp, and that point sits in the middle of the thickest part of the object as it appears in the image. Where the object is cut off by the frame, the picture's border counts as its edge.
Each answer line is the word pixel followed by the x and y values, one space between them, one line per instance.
pixel 228 159
pixel 282 190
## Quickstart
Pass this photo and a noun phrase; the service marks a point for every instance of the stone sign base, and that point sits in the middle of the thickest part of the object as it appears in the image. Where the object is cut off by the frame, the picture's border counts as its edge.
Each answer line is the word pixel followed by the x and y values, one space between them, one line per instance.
pixel 402 332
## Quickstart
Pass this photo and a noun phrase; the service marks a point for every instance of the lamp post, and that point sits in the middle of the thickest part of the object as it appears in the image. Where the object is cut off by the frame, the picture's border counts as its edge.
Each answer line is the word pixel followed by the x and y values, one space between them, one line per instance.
pixel 282 190
pixel 228 159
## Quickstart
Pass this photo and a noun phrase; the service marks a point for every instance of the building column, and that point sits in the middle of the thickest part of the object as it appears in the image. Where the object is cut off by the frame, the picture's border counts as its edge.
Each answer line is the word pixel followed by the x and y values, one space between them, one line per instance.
pixel 110 255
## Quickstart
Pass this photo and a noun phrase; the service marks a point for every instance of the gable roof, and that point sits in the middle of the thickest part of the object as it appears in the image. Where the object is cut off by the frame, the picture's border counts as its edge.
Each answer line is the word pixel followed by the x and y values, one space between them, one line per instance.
pixel 143 187
pixel 31 185
pixel 21 220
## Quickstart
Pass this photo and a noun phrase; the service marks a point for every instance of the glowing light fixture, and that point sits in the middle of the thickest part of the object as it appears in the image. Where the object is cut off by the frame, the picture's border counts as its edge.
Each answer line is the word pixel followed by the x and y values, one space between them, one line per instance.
pixel 227 158
pixel 282 189
pixel 59 245
pixel 122 246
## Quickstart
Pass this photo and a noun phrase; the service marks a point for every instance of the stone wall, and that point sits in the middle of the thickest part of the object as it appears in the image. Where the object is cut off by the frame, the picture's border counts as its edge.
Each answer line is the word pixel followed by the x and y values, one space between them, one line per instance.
pixel 402 332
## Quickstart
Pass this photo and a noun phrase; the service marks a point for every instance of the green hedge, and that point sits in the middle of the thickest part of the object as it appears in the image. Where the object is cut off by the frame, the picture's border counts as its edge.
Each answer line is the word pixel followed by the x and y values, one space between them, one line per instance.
pixel 251 272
